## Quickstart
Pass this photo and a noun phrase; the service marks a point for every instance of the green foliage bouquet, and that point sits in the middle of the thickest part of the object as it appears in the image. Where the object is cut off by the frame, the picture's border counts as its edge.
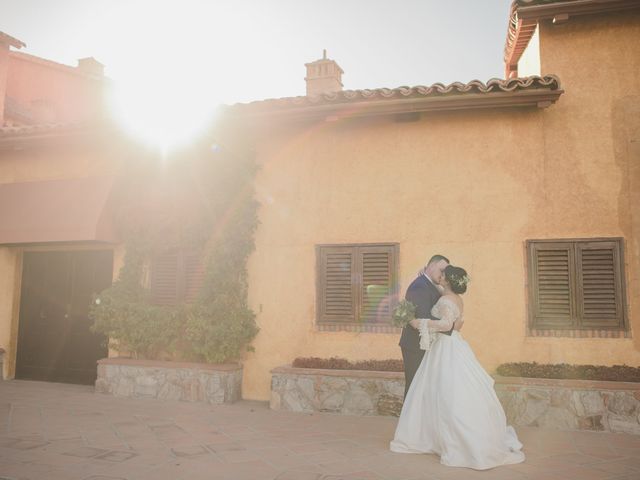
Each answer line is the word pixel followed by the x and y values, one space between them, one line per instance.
pixel 403 313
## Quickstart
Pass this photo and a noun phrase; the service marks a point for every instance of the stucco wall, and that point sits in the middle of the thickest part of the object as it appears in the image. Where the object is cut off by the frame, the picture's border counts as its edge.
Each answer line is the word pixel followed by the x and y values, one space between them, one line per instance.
pixel 473 186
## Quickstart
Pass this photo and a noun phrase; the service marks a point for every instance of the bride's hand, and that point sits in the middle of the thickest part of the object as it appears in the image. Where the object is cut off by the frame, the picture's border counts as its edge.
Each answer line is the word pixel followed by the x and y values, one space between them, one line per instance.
pixel 415 323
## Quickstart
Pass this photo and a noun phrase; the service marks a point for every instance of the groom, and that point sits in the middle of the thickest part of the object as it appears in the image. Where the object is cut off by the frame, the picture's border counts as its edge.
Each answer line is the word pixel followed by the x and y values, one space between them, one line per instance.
pixel 424 294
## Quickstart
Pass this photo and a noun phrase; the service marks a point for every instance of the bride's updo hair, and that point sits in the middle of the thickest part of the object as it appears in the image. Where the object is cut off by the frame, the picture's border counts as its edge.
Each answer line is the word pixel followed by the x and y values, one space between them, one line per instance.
pixel 457 278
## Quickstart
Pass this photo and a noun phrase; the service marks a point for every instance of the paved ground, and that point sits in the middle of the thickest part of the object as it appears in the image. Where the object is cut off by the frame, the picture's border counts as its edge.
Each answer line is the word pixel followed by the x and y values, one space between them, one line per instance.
pixel 53 431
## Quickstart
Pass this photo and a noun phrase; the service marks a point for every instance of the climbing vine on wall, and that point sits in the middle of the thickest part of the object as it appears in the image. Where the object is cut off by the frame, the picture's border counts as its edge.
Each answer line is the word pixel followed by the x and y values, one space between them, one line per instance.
pixel 200 199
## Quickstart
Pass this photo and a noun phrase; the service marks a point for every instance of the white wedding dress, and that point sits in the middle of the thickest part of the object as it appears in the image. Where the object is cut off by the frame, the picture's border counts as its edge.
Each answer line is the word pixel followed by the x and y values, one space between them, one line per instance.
pixel 451 408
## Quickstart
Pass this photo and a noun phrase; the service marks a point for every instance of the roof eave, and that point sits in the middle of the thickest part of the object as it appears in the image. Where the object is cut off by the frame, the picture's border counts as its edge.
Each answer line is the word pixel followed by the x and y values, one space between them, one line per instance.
pixel 537 98
pixel 546 11
pixel 523 20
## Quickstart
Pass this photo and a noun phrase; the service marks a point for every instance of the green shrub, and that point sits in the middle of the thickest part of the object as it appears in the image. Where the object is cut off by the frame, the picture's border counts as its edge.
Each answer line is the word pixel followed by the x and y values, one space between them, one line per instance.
pixel 221 336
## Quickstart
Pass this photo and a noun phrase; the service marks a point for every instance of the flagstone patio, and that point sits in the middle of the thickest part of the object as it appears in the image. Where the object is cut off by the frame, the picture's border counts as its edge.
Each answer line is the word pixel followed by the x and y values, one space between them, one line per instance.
pixel 54 431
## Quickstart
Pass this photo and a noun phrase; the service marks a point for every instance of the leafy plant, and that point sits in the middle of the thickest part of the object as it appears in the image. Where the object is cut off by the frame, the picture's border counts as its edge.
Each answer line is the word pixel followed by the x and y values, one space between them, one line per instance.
pixel 200 199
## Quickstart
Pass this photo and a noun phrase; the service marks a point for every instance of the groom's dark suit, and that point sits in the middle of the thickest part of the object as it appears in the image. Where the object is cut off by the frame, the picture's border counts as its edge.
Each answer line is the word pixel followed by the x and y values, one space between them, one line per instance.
pixel 424 295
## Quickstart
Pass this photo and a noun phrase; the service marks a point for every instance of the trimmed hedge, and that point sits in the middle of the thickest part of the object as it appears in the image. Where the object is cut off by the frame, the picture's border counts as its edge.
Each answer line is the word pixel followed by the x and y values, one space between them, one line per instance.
pixel 335 363
pixel 616 373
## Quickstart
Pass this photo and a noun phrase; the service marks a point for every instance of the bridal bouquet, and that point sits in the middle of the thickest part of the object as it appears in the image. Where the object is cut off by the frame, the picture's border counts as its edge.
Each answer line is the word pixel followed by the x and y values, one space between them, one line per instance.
pixel 403 313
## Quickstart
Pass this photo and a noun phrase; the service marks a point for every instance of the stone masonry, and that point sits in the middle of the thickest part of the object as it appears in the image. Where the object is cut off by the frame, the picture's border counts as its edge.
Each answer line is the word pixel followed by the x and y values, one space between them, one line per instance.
pixel 556 404
pixel 191 382
pixel 571 404
pixel 347 392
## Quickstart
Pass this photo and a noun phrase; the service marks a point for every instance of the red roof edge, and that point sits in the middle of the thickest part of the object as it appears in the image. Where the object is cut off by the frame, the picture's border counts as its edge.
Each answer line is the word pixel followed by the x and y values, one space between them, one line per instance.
pixel 524 16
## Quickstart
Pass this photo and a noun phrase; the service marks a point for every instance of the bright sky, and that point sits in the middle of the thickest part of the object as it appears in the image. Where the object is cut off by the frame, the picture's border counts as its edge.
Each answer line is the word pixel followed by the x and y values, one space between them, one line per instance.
pixel 227 51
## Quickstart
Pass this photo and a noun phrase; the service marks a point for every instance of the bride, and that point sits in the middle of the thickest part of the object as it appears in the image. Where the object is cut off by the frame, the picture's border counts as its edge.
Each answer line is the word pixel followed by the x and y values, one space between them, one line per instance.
pixel 451 408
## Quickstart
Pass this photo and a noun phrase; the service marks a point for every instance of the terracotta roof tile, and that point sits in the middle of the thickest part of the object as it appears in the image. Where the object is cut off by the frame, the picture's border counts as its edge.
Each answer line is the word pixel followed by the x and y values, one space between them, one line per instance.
pixel 535 90
pixel 455 88
pixel 458 90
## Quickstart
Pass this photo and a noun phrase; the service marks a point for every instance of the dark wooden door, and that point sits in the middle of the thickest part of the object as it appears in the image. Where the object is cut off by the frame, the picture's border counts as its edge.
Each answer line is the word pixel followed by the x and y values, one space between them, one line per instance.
pixel 54 340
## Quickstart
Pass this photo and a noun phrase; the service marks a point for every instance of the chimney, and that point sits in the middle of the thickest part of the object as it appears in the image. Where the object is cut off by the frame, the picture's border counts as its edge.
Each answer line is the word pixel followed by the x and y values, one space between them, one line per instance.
pixel 323 76
pixel 91 66
pixel 6 42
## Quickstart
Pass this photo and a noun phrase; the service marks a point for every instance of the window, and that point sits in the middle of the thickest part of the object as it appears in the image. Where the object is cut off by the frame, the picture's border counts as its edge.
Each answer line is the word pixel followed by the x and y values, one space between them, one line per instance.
pixel 357 284
pixel 176 277
pixel 576 284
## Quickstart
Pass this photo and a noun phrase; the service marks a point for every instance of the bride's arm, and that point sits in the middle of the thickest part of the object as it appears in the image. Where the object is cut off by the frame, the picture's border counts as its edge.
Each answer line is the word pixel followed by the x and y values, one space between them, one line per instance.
pixel 428 327
pixel 446 321
pixel 442 325
pixel 457 325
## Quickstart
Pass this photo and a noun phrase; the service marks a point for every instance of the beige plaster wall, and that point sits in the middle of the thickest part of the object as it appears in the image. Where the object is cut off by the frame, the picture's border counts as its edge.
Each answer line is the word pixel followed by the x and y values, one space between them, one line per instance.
pixel 473 186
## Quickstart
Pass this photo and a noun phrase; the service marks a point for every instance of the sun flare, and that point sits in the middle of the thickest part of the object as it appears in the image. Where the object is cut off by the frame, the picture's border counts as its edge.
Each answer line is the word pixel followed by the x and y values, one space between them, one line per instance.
pixel 165 90
pixel 162 111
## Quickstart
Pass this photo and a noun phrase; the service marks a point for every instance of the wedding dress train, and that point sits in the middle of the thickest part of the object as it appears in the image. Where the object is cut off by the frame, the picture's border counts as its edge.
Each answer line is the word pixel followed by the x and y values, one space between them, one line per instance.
pixel 451 408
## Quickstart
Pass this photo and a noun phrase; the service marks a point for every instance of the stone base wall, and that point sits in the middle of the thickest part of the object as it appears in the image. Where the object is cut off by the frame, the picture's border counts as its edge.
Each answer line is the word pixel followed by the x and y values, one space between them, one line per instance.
pixel 571 404
pixel 190 382
pixel 346 392
pixel 547 403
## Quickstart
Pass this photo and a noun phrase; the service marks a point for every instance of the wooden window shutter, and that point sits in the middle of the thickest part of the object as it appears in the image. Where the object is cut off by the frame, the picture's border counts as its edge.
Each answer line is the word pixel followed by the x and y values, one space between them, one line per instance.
pixel 194 275
pixel 176 276
pixel 577 285
pixel 551 287
pixel 164 279
pixel 336 288
pixel 376 290
pixel 600 284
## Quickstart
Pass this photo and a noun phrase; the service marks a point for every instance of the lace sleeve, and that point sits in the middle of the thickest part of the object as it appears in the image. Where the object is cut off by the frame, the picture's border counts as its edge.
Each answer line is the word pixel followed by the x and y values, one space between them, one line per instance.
pixel 428 329
pixel 447 317
pixel 427 335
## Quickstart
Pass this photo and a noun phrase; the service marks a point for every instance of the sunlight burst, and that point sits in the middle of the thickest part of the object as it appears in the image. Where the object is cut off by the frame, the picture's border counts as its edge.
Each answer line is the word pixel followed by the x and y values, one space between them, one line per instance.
pixel 162 111
pixel 165 95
